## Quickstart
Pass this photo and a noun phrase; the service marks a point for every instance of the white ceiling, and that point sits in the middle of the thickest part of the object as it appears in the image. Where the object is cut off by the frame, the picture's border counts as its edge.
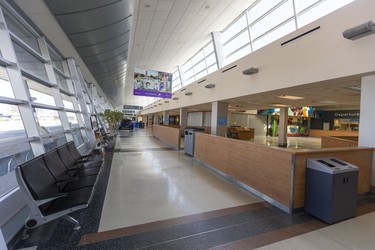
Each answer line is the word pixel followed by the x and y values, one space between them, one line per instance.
pixel 166 33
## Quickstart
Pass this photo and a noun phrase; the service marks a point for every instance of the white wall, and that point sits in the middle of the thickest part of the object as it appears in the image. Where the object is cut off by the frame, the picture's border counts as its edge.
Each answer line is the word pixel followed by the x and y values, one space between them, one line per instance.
pixel 367 117
pixel 199 119
pixel 324 51
pixel 258 122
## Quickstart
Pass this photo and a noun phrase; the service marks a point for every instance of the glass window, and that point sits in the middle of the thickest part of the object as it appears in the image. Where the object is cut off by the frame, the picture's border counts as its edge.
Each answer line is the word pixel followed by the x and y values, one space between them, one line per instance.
pixel 188 74
pixel 199 67
pixel 320 10
pixel 29 62
pixel 189 80
pixel 274 35
pixel 67 101
pixel 211 59
pixel 209 48
pixel 40 93
pixel 20 31
pixel 303 4
pixel 61 81
pixel 77 137
pixel 72 119
pixel 201 74
pixel 56 61
pixel 238 54
pixel 5 86
pixel 197 57
pixel 237 43
pixel 53 141
pixel 273 19
pixel 188 65
pixel 212 68
pixel 234 29
pixel 48 120
pixel 10 157
pixel 261 8
pixel 89 108
pixel 11 124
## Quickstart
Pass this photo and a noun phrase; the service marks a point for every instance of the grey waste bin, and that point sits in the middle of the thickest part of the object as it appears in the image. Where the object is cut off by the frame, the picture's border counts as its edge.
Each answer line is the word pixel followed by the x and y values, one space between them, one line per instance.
pixel 331 189
pixel 189 140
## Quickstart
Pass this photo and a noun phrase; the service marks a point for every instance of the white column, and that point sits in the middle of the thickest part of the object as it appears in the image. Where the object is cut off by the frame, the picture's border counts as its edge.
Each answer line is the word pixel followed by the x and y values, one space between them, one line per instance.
pixel 283 127
pixel 165 117
pixel 156 118
pixel 219 118
pixel 366 118
pixel 183 119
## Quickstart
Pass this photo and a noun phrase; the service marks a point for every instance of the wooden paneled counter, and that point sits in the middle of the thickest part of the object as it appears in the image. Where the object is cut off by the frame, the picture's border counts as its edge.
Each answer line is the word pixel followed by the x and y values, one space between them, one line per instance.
pixel 277 174
pixel 168 135
pixel 320 133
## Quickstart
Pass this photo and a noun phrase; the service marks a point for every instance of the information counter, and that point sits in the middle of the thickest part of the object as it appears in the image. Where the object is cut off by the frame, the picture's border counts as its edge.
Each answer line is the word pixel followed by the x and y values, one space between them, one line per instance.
pixel 275 174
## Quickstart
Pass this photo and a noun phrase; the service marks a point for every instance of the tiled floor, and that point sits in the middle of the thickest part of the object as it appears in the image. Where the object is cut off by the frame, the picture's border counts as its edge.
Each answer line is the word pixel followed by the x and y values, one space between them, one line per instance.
pixel 152 197
pixel 149 182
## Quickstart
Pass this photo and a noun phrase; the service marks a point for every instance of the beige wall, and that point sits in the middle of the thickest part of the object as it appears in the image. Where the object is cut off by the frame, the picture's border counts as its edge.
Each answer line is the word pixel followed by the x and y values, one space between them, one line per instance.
pixel 321 55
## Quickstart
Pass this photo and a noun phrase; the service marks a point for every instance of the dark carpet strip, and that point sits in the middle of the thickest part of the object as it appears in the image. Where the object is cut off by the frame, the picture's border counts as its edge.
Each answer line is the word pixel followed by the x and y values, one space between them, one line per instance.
pixel 122 232
pixel 244 227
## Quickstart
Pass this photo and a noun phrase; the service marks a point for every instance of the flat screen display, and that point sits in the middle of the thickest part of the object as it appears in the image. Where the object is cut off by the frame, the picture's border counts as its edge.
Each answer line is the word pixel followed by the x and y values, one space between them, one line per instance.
pixel 152 83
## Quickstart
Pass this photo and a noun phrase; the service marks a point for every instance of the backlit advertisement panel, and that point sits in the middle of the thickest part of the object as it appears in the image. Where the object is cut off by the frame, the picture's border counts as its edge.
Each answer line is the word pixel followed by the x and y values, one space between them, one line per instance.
pixel 152 83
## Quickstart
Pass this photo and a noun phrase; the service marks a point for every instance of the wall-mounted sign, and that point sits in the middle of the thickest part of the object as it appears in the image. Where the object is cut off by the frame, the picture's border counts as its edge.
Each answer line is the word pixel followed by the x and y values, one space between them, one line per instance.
pixel 152 83
pixel 222 120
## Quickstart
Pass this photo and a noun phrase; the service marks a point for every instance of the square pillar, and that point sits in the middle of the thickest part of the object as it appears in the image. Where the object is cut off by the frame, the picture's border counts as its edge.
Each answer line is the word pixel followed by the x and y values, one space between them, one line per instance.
pixel 283 127
pixel 219 118
pixel 183 119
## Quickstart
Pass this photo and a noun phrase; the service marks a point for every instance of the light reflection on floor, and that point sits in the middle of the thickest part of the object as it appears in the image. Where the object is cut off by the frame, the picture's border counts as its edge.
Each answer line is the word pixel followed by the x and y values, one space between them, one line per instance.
pixel 293 142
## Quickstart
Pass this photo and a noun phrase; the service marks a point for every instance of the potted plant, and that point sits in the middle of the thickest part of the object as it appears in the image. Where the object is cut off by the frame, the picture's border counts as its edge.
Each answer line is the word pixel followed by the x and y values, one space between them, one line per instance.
pixel 112 117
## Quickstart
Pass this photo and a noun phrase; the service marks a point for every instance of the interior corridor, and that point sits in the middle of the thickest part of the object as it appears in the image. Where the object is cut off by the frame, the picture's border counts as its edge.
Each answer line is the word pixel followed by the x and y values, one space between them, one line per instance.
pixel 150 196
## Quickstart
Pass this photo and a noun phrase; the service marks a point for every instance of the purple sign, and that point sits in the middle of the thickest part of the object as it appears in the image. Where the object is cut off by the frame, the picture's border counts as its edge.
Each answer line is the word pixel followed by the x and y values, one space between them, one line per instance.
pixel 152 83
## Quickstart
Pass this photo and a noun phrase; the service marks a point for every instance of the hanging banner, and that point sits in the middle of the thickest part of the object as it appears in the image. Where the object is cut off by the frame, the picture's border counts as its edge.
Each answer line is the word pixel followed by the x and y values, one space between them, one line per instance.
pixel 152 83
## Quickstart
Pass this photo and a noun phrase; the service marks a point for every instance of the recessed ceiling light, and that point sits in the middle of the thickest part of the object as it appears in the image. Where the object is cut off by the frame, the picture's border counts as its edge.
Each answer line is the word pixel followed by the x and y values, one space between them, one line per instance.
pixel 291 97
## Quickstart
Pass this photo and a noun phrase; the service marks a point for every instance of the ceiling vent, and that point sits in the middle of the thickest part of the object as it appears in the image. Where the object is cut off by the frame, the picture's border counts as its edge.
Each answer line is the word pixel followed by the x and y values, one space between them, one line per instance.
pixel 175 98
pixel 189 93
pixel 210 86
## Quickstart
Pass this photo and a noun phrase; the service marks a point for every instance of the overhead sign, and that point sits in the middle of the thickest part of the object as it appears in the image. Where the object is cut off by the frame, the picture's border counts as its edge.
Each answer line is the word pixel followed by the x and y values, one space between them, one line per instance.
pixel 133 107
pixel 152 83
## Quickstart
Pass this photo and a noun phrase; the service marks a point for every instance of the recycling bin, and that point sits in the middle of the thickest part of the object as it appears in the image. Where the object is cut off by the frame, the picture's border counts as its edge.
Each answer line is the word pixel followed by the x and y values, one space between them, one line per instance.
pixel 331 189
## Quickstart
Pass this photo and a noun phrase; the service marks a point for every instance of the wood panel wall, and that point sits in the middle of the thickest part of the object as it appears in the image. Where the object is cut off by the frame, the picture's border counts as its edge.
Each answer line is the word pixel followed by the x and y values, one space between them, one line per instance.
pixel 169 135
pixel 320 133
pixel 336 142
pixel 269 169
pixel 263 168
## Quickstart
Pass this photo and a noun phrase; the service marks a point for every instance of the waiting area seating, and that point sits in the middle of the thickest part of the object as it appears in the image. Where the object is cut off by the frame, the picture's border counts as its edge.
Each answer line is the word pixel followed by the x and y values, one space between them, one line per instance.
pixel 58 183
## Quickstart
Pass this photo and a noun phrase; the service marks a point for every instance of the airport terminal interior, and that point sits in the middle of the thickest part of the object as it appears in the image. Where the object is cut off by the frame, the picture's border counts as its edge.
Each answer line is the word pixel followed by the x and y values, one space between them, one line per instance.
pixel 187 124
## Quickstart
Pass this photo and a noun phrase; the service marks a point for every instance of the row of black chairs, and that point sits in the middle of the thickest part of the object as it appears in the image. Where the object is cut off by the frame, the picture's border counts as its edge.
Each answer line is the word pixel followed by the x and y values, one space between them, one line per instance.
pixel 58 183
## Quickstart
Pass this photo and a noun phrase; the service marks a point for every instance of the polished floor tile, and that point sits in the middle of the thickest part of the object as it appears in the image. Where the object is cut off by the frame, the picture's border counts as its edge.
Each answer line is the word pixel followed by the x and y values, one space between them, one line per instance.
pixel 355 233
pixel 151 185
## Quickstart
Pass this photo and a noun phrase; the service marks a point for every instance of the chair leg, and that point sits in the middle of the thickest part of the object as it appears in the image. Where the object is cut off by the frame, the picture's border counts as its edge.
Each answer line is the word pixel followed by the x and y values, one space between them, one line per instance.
pixel 25 233
pixel 70 219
